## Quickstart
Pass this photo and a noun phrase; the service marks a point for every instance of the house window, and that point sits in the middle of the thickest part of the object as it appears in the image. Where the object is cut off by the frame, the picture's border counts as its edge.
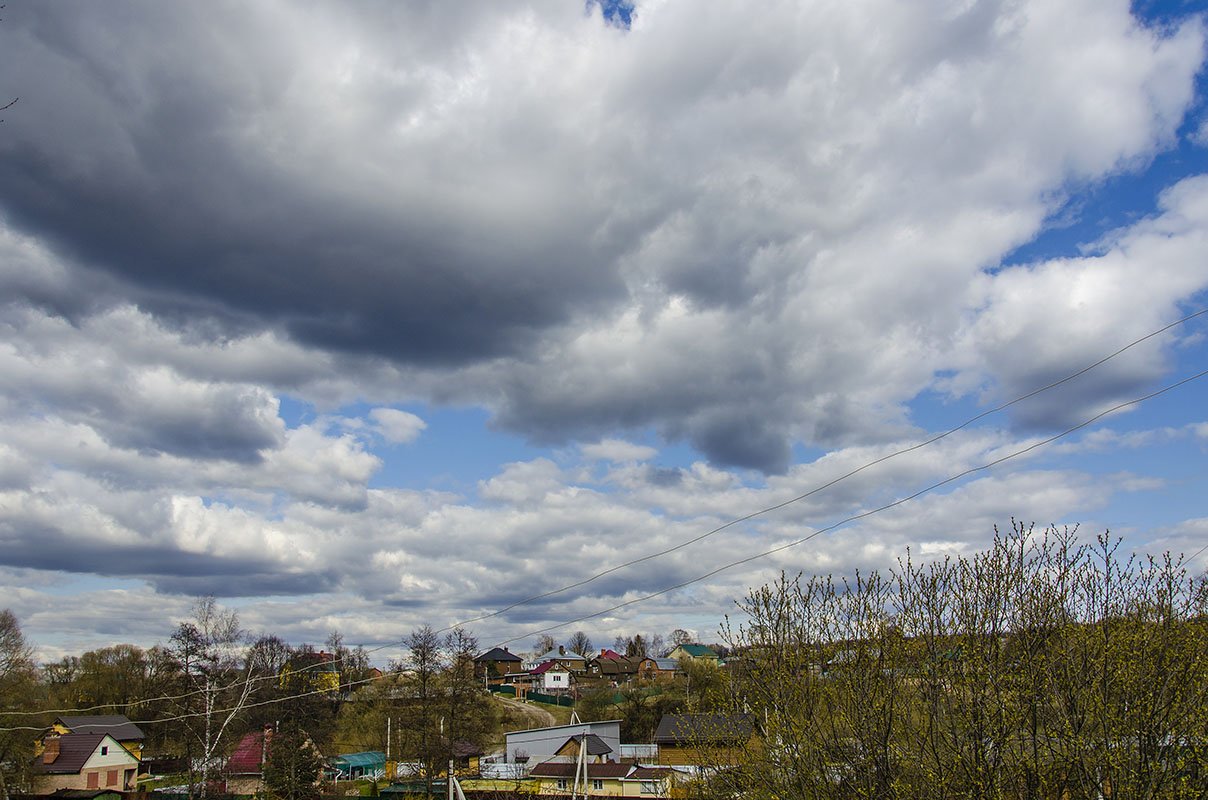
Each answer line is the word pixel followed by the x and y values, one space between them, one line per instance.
pixel 597 786
pixel 94 780
pixel 650 787
pixel 104 749
pixel 111 778
pixel 562 783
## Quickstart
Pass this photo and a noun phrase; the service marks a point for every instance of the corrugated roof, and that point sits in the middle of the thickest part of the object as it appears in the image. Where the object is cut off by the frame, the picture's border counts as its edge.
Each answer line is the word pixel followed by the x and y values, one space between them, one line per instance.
pixel 118 726
pixel 553 769
pixel 498 654
pixel 703 728
pixel 367 758
pixel 698 650
pixel 249 755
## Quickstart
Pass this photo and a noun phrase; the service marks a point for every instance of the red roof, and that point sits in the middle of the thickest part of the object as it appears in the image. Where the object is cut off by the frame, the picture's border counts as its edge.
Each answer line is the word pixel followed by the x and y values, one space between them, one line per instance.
pixel 249 755
pixel 545 667
pixel 611 655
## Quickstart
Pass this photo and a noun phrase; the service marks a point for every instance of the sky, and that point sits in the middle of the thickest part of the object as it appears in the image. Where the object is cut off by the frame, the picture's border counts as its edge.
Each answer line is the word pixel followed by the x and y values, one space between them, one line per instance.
pixel 367 317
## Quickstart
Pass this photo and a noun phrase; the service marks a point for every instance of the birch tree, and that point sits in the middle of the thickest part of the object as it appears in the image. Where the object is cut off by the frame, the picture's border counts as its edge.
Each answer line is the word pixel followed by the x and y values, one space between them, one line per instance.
pixel 210 650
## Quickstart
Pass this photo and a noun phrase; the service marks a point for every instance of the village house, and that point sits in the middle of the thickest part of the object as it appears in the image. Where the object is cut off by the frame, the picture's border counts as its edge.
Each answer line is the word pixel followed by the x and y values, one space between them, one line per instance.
pixel 694 652
pixel 703 740
pixel 497 663
pixel 244 770
pixel 84 761
pixel 568 660
pixel 119 726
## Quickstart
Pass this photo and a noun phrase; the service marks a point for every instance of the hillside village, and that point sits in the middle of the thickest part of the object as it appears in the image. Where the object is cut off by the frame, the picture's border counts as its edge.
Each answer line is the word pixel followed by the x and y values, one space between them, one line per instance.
pixel 1029 671
pixel 105 757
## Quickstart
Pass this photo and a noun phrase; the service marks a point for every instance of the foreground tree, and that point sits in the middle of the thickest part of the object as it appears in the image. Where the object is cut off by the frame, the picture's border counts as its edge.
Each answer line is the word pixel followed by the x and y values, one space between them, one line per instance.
pixel 219 680
pixel 1040 668
pixel 446 705
pixel 293 767
pixel 17 682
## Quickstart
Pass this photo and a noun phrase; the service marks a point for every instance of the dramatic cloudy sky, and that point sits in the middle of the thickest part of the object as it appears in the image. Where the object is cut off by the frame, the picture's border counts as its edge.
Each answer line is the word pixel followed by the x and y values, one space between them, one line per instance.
pixel 369 316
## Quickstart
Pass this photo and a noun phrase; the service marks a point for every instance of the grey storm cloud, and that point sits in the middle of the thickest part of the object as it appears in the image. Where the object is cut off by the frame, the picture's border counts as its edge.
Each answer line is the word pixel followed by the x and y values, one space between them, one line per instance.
pixel 153 177
pixel 743 232
pixel 169 569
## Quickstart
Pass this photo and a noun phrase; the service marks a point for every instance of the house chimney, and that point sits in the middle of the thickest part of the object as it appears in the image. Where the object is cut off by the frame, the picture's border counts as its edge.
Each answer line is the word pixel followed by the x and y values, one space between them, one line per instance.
pixel 52 751
pixel 561 650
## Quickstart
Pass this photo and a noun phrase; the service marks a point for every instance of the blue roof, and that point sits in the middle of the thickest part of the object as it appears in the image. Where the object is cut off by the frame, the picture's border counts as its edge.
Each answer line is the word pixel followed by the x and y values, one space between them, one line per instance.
pixel 368 758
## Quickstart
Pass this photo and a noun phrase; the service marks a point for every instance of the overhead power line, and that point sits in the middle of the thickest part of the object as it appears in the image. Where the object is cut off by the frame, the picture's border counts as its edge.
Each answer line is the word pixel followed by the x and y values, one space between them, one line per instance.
pixel 776 507
pixel 724 567
pixel 729 524
pixel 862 515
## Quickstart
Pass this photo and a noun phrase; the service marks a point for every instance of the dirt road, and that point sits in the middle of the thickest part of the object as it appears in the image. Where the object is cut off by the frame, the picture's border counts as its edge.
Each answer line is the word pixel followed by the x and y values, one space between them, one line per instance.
pixel 533 716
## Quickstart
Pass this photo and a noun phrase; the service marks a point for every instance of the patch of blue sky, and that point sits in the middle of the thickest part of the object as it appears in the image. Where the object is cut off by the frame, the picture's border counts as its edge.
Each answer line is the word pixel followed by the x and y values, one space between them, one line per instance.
pixel 1092 210
pixel 71 584
pixel 615 12
pixel 294 412
pixel 460 446
pixel 935 411
pixel 453 453
pixel 1164 12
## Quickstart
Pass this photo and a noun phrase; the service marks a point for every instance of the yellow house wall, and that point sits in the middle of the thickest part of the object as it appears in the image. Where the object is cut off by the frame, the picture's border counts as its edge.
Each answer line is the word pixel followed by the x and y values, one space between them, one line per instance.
pixel 612 787
pixel 672 756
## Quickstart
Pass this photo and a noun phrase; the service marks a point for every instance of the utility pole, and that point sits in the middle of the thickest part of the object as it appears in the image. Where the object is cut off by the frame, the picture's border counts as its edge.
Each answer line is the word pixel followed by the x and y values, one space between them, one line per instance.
pixel 580 768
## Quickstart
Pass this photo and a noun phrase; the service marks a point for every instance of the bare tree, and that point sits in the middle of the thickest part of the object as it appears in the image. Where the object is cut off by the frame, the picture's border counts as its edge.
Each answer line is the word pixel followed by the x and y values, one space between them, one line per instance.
pixel 545 643
pixel 426 662
pixel 580 643
pixel 17 679
pixel 209 648
pixel 1038 668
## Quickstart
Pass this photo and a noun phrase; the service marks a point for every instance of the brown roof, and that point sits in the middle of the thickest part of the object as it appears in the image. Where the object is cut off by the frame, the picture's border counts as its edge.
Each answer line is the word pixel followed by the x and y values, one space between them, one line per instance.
pixel 553 769
pixel 498 654
pixel 74 751
pixel 652 773
pixel 703 728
